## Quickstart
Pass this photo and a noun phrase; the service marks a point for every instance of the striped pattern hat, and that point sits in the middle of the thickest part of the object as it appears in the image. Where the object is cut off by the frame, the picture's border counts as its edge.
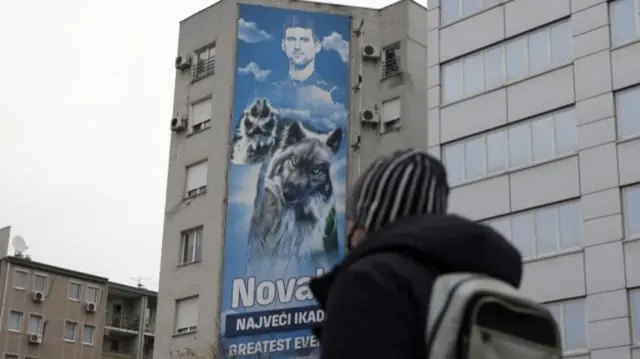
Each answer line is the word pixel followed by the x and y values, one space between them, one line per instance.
pixel 406 183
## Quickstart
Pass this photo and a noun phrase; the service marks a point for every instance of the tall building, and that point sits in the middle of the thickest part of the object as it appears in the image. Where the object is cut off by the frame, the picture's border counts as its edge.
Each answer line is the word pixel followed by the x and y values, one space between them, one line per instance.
pixel 271 98
pixel 53 312
pixel 534 106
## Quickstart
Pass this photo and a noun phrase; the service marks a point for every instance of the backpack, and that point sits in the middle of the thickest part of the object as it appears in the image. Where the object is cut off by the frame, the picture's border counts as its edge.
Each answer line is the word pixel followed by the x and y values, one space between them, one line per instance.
pixel 473 316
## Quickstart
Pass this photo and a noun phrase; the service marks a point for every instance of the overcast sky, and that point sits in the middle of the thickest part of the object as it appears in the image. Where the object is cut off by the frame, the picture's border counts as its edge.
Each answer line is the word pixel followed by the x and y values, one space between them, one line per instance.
pixel 85 100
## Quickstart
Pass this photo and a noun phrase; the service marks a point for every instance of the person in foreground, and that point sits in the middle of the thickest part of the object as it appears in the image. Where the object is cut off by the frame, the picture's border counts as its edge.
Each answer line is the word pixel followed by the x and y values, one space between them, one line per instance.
pixel 400 239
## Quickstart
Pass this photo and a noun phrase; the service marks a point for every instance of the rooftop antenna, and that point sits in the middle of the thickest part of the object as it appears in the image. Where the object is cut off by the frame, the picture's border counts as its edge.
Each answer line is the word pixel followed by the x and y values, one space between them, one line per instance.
pixel 139 280
pixel 19 245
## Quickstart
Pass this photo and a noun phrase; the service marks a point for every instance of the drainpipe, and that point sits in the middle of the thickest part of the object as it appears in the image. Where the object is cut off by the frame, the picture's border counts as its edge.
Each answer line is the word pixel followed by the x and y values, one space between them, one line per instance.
pixel 4 294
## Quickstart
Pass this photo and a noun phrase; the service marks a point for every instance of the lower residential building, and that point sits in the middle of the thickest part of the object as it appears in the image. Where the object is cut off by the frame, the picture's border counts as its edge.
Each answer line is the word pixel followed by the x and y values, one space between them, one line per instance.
pixel 52 312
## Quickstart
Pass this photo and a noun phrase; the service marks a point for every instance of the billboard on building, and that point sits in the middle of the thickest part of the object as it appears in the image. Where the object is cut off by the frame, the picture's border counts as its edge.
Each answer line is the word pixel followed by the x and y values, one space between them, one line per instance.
pixel 286 180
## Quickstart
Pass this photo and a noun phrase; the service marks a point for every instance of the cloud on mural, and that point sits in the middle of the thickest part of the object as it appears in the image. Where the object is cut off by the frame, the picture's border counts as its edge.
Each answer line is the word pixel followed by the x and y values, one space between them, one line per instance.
pixel 335 42
pixel 251 33
pixel 253 68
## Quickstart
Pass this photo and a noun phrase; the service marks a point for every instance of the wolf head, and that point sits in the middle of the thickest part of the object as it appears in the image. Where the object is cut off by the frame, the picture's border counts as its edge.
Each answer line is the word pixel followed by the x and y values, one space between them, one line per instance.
pixel 302 166
pixel 256 133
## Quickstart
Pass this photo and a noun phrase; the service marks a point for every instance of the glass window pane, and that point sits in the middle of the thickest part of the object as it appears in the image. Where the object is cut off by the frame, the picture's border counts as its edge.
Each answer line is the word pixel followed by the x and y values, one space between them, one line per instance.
pixel 632 211
pixel 629 112
pixel 16 321
pixel 561 44
pixel 575 336
pixel 470 6
pixel 522 228
pixel 624 17
pixel 516 60
pixel 474 159
pixel 542 139
pixel 546 231
pixel 570 224
pixel 473 75
pixel 34 324
pixel 539 51
pixel 454 161
pixel 635 309
pixel 494 68
pixel 497 151
pixel 556 312
pixel 450 10
pixel 519 145
pixel 452 78
pixel 503 227
pixel 566 125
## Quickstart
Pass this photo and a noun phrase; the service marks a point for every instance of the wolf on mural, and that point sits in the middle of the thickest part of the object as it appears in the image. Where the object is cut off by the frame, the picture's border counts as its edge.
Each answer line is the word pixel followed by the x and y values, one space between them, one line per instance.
pixel 286 178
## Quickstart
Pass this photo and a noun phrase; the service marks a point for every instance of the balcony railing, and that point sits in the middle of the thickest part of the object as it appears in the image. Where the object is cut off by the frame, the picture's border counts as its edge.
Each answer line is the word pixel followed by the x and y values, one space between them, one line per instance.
pixel 123 322
pixel 204 68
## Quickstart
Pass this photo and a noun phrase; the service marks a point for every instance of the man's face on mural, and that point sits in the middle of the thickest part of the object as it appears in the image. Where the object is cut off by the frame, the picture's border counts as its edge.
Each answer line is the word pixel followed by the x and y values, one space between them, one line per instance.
pixel 299 45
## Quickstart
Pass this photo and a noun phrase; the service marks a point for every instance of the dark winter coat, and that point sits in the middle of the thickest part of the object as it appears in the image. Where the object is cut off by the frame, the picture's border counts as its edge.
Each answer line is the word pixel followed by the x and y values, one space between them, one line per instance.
pixel 376 300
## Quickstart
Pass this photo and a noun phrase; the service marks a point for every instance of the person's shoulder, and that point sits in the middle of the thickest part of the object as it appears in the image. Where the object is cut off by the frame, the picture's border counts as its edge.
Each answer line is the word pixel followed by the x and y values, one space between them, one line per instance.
pixel 395 267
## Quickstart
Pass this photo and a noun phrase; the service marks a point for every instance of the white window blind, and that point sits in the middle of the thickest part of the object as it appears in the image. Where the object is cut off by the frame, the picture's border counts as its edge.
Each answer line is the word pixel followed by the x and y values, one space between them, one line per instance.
pixel 186 315
pixel 197 178
pixel 391 110
pixel 200 115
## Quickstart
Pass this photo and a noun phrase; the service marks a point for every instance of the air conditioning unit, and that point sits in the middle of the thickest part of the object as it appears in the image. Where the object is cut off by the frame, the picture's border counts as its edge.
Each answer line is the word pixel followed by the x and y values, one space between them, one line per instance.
pixel 35 338
pixel 90 307
pixel 38 297
pixel 178 124
pixel 368 116
pixel 370 52
pixel 183 62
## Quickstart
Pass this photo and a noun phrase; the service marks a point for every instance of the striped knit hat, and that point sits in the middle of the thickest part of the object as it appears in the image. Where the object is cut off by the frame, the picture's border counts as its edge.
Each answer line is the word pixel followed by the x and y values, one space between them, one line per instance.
pixel 406 183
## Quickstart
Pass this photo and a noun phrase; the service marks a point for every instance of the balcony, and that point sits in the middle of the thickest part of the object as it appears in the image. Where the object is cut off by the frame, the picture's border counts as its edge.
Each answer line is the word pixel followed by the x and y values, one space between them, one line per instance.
pixel 204 68
pixel 124 323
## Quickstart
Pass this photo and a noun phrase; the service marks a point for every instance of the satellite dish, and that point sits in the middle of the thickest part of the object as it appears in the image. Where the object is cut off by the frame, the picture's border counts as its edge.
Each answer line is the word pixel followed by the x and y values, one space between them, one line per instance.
pixel 19 245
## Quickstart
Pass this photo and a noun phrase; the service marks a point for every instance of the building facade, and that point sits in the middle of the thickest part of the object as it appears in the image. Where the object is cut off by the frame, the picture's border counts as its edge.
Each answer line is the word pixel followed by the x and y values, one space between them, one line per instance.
pixel 534 108
pixel 48 311
pixel 371 70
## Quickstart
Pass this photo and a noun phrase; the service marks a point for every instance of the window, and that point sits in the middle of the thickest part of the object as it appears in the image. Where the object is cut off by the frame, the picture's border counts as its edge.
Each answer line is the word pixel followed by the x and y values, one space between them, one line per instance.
pixel 624 21
pixel 391 60
pixel 186 315
pixel 634 303
pixel 73 292
pixel 522 57
pixel 632 211
pixel 70 331
pixel 191 245
pixel 205 62
pixel 391 114
pixel 542 231
pixel 87 334
pixel 200 116
pixel 628 112
pixel 35 324
pixel 453 10
pixel 15 321
pixel 11 356
pixel 39 283
pixel 522 144
pixel 197 179
pixel 92 294
pixel 20 279
pixel 572 320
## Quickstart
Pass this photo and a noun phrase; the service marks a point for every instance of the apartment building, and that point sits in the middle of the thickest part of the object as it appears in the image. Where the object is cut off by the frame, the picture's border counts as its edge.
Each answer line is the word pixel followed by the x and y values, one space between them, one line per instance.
pixel 375 61
pixel 534 106
pixel 48 312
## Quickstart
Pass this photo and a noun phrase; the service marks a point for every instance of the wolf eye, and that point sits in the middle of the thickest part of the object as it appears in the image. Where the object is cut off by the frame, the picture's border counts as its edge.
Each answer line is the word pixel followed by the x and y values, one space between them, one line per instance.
pixel 315 171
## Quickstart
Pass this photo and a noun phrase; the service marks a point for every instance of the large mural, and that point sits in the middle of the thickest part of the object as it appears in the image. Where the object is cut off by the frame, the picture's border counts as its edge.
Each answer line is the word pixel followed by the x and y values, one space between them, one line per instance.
pixel 287 178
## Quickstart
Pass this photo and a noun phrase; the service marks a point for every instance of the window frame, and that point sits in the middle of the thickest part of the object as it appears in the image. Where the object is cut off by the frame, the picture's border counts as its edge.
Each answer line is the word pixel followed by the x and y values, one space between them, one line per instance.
pixel 202 125
pixel 20 324
pixel 561 324
pixel 194 192
pixel 86 294
pixel 93 334
pixel 460 14
pixel 625 208
pixel 505 79
pixel 26 278
pixel 610 18
pixel 75 331
pixel 41 323
pixel 205 68
pixel 632 89
pixel 396 47
pixel 46 282
pixel 11 355
pixel 197 246
pixel 189 329
pixel 71 283
pixel 558 229
pixel 555 117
